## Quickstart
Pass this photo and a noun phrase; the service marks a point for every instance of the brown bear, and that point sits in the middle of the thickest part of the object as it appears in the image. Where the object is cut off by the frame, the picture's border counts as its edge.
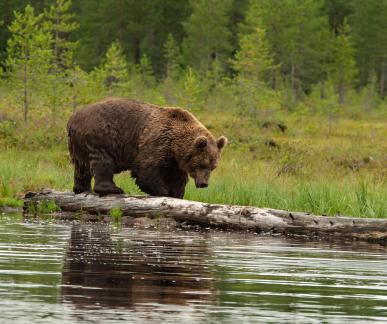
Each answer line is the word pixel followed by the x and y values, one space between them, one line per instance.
pixel 160 146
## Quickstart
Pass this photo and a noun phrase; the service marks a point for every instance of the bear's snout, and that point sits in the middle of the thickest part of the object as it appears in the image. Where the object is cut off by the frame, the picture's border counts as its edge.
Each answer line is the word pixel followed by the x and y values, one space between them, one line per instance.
pixel 201 185
pixel 201 177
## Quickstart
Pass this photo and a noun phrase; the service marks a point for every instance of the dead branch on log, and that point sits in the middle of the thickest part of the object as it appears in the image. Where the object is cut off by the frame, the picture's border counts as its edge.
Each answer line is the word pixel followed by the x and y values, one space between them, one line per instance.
pixel 263 220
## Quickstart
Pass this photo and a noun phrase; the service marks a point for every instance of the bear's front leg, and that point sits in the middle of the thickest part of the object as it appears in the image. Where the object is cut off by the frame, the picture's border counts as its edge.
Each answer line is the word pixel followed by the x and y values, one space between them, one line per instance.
pixel 155 185
pixel 103 172
pixel 177 192
pixel 152 184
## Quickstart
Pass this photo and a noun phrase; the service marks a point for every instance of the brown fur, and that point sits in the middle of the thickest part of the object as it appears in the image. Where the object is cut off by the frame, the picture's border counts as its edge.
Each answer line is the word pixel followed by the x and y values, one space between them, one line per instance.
pixel 160 146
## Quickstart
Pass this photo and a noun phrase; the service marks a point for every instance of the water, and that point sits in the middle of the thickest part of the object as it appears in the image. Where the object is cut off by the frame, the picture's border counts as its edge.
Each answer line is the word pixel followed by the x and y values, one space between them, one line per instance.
pixel 52 272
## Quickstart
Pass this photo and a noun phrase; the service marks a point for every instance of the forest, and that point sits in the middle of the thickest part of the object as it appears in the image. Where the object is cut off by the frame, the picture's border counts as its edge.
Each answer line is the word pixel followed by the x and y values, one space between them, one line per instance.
pixel 298 87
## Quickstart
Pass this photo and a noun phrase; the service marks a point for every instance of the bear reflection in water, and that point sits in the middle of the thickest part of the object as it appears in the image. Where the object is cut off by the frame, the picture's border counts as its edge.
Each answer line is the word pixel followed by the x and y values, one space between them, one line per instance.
pixel 103 270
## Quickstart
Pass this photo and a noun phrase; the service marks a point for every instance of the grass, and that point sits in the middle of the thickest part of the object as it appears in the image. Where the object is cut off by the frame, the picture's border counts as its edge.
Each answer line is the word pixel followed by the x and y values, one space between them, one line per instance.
pixel 10 202
pixel 319 165
pixel 116 212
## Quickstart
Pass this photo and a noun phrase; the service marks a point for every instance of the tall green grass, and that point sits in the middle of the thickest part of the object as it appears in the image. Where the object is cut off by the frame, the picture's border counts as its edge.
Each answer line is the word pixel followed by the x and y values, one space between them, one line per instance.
pixel 357 198
pixel 240 179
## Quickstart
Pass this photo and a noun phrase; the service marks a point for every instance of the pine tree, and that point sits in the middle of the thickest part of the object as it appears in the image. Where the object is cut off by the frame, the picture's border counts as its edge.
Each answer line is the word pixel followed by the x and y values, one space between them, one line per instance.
pixel 253 64
pixel 298 34
pixel 192 92
pixel 81 85
pixel 60 23
pixel 28 55
pixel 113 72
pixel 173 58
pixel 208 34
pixel 140 26
pixel 343 68
pixel 337 12
pixel 173 70
pixel 145 71
pixel 253 61
pixel 369 25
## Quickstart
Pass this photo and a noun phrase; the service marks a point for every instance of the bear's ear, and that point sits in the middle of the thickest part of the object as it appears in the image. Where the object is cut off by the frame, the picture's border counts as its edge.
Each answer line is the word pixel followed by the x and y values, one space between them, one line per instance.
pixel 221 142
pixel 201 142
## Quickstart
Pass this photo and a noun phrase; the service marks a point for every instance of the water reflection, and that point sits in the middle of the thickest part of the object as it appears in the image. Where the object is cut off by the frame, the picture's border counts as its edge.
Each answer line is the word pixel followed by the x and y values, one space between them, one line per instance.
pixel 61 272
pixel 102 269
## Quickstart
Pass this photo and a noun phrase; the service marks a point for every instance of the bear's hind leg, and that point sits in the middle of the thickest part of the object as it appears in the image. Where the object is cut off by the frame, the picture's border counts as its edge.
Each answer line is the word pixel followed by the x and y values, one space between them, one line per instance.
pixel 103 178
pixel 82 177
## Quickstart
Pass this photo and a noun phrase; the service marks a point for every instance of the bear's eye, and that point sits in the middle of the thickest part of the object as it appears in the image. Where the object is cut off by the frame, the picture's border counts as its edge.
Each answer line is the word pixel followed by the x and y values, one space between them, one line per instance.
pixel 202 166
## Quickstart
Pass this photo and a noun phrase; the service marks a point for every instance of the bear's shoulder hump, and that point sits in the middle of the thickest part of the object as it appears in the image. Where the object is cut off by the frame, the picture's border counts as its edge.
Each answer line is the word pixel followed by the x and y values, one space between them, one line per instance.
pixel 179 114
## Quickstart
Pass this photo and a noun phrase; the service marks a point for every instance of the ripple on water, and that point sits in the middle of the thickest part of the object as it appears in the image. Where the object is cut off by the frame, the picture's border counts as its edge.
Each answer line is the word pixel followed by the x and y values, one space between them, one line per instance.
pixel 71 272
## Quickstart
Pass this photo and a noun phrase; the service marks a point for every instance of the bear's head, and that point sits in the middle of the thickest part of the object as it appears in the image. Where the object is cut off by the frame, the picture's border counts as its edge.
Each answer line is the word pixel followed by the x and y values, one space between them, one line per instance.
pixel 202 158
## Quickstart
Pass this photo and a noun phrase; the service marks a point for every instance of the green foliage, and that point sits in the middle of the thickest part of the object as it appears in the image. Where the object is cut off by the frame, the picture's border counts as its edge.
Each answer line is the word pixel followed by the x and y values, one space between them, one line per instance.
pixel 82 90
pixel 28 56
pixel 10 202
pixel 173 58
pixel 141 27
pixel 47 207
pixel 145 71
pixel 208 35
pixel 253 61
pixel 343 67
pixel 254 65
pixel 116 212
pixel 369 25
pixel 192 92
pixel 298 41
pixel 112 76
pixel 43 207
pixel 60 22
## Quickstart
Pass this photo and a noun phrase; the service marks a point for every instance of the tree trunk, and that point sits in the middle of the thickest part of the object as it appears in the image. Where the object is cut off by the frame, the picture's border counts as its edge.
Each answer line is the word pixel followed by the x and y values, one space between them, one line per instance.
pixel 382 80
pixel 341 91
pixel 292 84
pixel 25 83
pixel 263 220
pixel 322 90
pixel 25 93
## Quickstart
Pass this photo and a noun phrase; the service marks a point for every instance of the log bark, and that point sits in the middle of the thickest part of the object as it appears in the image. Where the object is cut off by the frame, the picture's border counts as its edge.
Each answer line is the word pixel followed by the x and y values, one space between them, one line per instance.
pixel 262 220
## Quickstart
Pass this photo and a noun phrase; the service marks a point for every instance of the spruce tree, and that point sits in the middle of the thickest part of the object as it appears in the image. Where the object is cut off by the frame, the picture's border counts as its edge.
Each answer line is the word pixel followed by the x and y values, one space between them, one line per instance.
pixel 145 71
pixel 173 70
pixel 298 35
pixel 343 68
pixel 369 25
pixel 112 75
pixel 208 34
pixel 253 61
pixel 191 96
pixel 253 64
pixel 59 21
pixel 28 56
pixel 173 58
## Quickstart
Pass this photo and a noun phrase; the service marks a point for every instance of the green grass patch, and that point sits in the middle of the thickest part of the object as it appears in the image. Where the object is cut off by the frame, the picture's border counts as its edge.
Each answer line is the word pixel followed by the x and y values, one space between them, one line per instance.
pixel 319 165
pixel 47 207
pixel 10 202
pixel 116 212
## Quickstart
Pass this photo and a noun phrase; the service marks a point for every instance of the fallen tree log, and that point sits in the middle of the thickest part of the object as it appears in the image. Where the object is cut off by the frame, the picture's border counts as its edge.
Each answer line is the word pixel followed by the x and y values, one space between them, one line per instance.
pixel 262 220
